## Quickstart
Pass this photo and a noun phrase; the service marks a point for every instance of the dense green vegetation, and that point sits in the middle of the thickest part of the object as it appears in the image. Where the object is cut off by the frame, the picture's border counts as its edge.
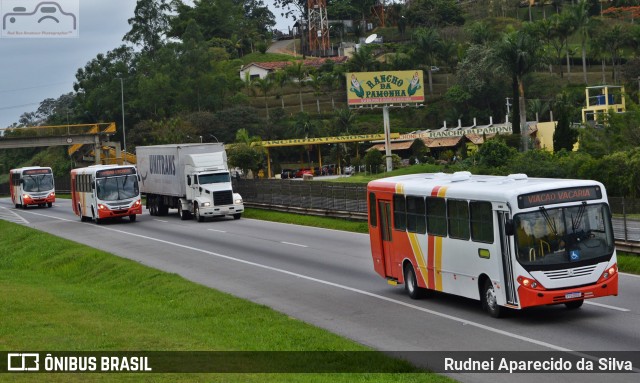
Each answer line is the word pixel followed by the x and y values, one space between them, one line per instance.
pixel 179 71
pixel 60 295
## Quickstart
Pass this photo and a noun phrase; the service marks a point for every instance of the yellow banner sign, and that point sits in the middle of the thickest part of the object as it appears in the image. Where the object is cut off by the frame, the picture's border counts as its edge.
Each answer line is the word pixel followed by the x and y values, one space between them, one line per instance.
pixel 328 140
pixel 395 87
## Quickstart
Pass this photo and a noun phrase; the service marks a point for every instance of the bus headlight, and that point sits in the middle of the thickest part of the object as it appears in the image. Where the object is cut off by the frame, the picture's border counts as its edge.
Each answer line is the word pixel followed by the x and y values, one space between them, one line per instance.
pixel 102 207
pixel 609 272
pixel 530 283
pixel 136 204
pixel 26 196
pixel 52 194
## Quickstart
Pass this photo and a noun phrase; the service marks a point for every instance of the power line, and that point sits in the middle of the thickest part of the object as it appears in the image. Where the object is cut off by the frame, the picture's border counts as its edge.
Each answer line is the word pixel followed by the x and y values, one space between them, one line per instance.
pixel 18 106
pixel 32 87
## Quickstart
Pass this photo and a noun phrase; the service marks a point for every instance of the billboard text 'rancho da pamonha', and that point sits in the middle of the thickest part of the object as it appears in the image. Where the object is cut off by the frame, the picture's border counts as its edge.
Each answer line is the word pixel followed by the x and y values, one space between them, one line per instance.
pixel 380 88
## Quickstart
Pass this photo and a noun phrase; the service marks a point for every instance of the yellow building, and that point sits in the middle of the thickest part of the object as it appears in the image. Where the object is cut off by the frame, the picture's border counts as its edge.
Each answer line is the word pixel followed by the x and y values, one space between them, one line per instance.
pixel 601 99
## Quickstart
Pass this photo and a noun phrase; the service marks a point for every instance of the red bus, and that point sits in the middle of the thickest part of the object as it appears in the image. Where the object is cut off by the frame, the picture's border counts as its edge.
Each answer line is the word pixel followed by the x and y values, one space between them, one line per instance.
pixel 32 185
pixel 507 241
pixel 105 191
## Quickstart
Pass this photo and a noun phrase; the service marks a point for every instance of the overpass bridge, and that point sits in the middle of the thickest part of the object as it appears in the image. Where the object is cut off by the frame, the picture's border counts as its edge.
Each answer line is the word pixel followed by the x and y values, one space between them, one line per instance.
pixel 90 142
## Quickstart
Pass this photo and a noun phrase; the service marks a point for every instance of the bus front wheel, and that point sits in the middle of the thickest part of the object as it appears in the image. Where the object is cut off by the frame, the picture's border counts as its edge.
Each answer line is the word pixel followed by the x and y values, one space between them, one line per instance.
pixel 132 217
pixel 411 283
pixel 490 300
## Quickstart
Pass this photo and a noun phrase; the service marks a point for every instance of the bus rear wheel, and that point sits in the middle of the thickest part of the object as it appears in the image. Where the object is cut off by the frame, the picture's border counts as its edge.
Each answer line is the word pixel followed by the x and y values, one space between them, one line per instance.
pixel 411 283
pixel 490 300
pixel 572 305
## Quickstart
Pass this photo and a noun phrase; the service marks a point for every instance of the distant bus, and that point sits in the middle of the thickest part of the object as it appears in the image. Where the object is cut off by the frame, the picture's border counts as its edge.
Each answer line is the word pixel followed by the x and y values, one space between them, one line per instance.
pixel 32 186
pixel 508 241
pixel 99 192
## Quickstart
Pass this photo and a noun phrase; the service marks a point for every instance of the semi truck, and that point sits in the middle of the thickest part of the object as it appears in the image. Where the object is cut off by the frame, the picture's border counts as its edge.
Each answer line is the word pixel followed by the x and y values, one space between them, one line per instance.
pixel 193 178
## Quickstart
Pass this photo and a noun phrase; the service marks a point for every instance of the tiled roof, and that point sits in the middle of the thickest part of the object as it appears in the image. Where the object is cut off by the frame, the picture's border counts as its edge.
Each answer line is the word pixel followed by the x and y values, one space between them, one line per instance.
pixel 313 62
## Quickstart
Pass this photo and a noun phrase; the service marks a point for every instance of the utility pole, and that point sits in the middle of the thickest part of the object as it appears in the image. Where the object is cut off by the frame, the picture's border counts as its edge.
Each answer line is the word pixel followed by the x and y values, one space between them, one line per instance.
pixel 508 110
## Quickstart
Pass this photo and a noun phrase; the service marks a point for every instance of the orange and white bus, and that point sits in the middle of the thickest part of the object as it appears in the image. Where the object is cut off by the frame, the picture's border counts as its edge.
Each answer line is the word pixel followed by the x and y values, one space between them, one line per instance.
pixel 32 185
pixel 508 241
pixel 105 191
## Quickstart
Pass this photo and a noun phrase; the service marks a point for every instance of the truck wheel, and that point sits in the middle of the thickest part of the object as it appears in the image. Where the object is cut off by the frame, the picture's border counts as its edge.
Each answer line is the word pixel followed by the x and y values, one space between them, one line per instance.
pixel 184 215
pixel 153 208
pixel 237 216
pixel 199 217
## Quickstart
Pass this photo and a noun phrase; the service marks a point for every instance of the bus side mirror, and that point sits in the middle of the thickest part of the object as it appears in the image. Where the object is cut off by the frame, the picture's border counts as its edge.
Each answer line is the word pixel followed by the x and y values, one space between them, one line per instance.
pixel 509 227
pixel 21 181
pixel 93 186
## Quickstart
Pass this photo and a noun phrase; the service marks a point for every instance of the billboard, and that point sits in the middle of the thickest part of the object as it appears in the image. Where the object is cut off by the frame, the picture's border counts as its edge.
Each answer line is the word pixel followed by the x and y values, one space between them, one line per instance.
pixel 380 88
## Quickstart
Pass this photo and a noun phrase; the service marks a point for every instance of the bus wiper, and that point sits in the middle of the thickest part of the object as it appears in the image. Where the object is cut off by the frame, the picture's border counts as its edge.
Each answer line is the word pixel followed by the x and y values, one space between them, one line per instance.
pixel 551 223
pixel 575 222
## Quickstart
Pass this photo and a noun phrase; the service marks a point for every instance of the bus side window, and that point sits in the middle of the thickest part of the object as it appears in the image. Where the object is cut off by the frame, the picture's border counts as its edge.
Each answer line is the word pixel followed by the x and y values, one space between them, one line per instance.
pixel 481 221
pixel 458 213
pixel 399 212
pixel 373 217
pixel 436 216
pixel 416 217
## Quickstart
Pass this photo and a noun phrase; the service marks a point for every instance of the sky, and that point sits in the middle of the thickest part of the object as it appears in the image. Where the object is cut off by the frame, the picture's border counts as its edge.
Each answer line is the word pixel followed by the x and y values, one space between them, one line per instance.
pixel 33 69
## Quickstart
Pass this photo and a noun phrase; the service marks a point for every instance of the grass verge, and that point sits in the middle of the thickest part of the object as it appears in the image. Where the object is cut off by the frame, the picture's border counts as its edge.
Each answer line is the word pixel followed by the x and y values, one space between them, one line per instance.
pixel 60 295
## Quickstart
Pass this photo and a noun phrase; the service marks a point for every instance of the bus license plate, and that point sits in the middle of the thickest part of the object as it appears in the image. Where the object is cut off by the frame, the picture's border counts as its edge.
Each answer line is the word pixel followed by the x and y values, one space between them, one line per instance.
pixel 573 295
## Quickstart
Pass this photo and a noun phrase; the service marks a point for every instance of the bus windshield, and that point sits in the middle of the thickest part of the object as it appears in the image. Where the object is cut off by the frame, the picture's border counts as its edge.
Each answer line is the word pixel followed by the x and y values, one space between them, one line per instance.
pixel 117 188
pixel 213 178
pixel 37 183
pixel 561 236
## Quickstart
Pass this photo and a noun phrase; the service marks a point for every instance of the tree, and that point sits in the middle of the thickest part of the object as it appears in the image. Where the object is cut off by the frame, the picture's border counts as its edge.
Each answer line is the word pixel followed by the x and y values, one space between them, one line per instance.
pixel 564 137
pixel 247 152
pixel 149 25
pixel 495 153
pixel 264 85
pixel 582 24
pixel 298 73
pixel 519 53
pixel 434 13
pixel 373 160
pixel 427 43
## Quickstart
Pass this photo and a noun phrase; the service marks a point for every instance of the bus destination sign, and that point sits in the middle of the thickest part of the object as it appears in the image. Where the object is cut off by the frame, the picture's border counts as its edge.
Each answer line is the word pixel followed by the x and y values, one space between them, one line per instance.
pixel 115 172
pixel 549 197
pixel 30 172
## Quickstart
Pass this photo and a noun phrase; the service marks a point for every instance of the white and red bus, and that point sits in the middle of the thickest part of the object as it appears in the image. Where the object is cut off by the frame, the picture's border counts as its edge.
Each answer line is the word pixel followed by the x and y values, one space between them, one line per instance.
pixel 508 241
pixel 32 185
pixel 105 191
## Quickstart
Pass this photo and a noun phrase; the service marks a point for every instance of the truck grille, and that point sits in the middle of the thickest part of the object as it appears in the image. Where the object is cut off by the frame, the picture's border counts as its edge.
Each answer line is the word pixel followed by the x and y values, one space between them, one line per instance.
pixel 224 197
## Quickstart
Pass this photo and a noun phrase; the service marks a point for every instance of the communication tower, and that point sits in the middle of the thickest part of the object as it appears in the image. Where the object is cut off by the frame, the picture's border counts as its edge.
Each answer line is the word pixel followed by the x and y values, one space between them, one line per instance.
pixel 318 26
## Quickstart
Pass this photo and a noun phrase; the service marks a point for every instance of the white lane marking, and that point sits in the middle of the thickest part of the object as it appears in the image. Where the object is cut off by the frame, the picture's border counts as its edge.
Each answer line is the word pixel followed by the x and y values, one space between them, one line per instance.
pixel 631 275
pixel 462 321
pixel 311 227
pixel 217 231
pixel 607 306
pixel 11 216
pixel 160 220
pixel 293 244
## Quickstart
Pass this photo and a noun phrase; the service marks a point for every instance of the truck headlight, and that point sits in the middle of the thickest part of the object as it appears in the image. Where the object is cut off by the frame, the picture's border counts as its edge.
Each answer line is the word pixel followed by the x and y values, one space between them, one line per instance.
pixel 238 201
pixel 206 204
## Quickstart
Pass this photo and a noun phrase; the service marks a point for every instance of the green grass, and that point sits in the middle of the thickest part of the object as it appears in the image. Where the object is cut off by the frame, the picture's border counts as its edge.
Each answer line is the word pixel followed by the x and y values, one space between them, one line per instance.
pixel 629 263
pixel 307 220
pixel 60 295
pixel 421 168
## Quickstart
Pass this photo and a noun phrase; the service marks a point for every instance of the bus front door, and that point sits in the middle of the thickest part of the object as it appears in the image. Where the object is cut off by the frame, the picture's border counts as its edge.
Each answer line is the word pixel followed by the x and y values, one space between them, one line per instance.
pixel 507 259
pixel 384 208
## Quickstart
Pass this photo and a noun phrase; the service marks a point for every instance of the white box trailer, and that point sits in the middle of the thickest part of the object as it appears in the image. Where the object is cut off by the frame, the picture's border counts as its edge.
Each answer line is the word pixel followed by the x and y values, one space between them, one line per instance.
pixel 193 178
